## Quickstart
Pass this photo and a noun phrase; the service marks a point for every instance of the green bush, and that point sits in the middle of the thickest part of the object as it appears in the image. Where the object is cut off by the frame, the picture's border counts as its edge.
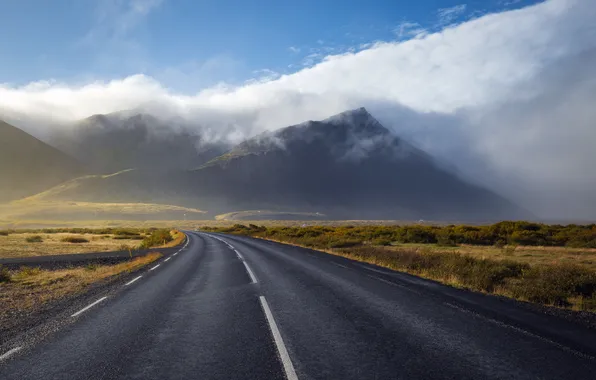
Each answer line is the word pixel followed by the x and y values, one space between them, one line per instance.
pixel 157 237
pixel 74 239
pixel 556 284
pixel 128 237
pixel 345 243
pixel 34 239
pixel 381 241
pixel 517 233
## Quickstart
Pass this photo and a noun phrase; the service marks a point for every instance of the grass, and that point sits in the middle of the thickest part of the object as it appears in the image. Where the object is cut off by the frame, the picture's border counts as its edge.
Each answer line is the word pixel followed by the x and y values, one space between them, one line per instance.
pixel 554 276
pixel 34 239
pixel 37 208
pixel 84 240
pixel 29 289
pixel 74 239
pixel 16 245
pixel 158 238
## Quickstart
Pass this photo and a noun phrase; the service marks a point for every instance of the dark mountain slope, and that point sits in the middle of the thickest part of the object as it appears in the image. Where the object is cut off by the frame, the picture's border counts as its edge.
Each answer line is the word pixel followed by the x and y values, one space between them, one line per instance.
pixel 348 166
pixel 28 165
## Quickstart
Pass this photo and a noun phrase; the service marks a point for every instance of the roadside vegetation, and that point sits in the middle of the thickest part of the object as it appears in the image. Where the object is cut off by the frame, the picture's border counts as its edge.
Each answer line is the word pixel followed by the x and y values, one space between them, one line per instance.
pixel 546 264
pixel 40 242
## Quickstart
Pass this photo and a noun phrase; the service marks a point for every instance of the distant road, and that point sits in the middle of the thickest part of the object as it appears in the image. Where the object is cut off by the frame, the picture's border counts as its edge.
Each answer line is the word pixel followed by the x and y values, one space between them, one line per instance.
pixel 228 307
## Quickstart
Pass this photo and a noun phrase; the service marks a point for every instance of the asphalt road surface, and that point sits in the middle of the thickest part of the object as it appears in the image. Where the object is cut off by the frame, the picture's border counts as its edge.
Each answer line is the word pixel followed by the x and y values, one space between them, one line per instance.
pixel 229 307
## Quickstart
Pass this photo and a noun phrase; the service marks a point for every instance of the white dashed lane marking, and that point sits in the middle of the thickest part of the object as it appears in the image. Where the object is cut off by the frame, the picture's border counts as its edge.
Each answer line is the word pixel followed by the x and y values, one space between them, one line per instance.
pixel 133 280
pixel 88 307
pixel 9 353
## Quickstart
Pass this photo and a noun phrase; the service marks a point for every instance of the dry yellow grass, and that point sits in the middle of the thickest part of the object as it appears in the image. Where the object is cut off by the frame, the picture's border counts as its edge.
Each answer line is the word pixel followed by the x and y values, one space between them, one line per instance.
pixel 178 239
pixel 31 288
pixel 38 209
pixel 16 245
pixel 585 257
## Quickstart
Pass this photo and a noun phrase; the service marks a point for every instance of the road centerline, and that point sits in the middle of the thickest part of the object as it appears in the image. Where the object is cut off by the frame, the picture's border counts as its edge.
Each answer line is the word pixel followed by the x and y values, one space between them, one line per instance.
pixel 279 343
pixel 155 267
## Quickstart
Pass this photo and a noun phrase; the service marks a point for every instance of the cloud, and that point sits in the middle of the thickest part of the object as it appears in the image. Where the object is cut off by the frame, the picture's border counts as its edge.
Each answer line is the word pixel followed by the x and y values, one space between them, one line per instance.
pixel 294 49
pixel 407 30
pixel 506 98
pixel 448 15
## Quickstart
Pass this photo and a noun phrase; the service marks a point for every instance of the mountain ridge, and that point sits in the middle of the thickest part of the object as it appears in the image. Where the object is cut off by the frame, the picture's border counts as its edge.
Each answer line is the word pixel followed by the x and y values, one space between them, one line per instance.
pixel 346 166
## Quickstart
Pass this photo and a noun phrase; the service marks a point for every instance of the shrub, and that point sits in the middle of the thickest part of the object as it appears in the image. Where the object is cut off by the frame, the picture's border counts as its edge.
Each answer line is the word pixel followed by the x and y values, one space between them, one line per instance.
pixel 34 239
pixel 91 267
pixel 556 284
pixel 74 239
pixel 28 271
pixel 3 233
pixel 128 237
pixel 381 241
pixel 157 237
pixel 5 275
pixel 345 243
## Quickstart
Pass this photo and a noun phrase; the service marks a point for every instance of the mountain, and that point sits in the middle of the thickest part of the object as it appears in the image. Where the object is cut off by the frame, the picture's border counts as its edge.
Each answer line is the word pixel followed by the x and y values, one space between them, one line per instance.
pixel 27 165
pixel 125 140
pixel 347 166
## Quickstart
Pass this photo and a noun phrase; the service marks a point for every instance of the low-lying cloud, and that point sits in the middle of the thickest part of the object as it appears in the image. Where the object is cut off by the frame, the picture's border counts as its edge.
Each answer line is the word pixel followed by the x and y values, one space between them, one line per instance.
pixel 507 98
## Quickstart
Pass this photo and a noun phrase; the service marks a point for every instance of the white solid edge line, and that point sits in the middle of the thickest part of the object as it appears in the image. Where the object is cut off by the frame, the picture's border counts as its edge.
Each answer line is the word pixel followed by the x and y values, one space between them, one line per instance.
pixel 9 353
pixel 133 280
pixel 88 307
pixel 252 276
pixel 281 347
pixel 155 267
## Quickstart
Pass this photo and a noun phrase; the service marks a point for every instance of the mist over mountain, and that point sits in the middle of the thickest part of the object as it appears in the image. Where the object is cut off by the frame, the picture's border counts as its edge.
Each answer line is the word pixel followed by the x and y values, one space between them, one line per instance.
pixel 347 166
pixel 125 140
pixel 27 165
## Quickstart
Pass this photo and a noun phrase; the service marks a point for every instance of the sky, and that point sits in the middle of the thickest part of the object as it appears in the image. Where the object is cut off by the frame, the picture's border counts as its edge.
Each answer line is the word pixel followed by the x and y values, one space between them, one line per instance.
pixel 189 45
pixel 501 90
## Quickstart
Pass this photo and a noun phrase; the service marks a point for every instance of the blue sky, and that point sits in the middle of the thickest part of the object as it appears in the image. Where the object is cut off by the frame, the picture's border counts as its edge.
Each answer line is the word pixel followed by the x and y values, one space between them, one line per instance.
pixel 189 45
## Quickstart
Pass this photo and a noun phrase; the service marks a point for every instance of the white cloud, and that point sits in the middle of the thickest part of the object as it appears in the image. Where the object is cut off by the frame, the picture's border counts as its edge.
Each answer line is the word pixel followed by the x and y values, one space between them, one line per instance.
pixel 407 30
pixel 507 97
pixel 448 15
pixel 294 49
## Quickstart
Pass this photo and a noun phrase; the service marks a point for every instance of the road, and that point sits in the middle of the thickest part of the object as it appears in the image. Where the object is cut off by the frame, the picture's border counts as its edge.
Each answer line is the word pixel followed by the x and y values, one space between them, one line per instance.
pixel 229 307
